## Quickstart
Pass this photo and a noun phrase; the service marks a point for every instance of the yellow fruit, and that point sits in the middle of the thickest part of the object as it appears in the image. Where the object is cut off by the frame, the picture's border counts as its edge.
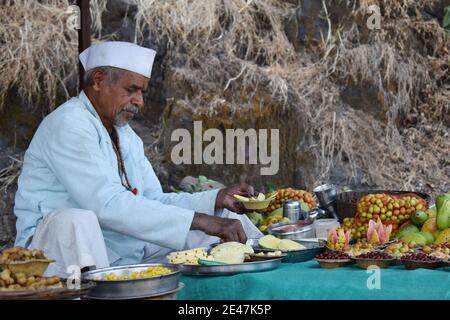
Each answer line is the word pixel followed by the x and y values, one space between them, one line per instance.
pixel 429 225
pixel 443 237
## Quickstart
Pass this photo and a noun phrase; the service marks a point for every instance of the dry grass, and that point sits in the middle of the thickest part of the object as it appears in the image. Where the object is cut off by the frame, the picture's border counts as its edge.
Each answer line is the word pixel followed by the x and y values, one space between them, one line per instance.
pixel 9 174
pixel 39 53
pixel 225 51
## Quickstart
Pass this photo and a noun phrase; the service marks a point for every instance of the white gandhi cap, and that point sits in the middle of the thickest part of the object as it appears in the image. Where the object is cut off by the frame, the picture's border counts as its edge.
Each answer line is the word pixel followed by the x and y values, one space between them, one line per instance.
pixel 123 55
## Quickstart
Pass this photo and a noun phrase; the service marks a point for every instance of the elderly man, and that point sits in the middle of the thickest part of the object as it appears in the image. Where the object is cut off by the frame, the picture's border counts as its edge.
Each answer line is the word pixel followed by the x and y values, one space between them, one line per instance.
pixel 88 196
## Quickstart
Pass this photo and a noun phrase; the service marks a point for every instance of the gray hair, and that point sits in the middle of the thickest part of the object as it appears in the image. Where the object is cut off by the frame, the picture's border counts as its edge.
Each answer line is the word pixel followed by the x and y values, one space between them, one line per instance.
pixel 111 73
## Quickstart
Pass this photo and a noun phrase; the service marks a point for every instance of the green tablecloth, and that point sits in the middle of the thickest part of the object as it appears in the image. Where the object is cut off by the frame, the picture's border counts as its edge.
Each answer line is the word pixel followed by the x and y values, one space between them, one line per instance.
pixel 307 280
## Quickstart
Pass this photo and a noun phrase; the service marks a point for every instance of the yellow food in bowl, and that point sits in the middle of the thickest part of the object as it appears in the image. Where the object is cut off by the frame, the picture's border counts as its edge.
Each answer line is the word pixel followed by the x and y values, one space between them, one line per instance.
pixel 149 272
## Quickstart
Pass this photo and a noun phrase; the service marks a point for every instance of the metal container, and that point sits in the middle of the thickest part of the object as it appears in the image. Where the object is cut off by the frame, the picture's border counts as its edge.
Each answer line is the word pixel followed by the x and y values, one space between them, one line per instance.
pixel 292 210
pixel 133 288
pixel 294 231
pixel 227 269
pixel 326 194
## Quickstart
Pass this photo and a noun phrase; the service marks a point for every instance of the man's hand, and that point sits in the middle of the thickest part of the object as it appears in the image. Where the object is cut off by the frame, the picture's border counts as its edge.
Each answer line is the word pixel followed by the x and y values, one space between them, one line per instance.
pixel 226 200
pixel 224 228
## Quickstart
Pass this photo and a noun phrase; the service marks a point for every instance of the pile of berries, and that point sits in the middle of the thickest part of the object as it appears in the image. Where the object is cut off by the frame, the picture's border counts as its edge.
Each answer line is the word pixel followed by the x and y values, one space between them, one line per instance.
pixel 419 257
pixel 333 255
pixel 376 255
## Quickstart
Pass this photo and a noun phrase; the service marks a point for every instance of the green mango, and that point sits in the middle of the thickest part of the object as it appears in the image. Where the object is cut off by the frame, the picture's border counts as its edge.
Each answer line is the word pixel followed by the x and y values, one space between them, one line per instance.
pixel 410 228
pixel 428 235
pixel 277 212
pixel 416 238
pixel 443 215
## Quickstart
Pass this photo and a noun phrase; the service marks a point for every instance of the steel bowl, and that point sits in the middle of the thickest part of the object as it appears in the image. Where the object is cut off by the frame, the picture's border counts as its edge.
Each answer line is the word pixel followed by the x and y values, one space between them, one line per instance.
pixel 132 288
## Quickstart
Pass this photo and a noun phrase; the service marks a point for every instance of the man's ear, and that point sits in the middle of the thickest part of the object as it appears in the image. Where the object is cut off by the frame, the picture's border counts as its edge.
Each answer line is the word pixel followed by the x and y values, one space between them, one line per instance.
pixel 97 79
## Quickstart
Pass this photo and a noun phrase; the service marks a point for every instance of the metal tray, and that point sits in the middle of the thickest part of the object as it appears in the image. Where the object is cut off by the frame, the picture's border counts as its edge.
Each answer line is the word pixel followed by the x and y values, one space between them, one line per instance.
pixel 312 250
pixel 168 295
pixel 133 288
pixel 229 269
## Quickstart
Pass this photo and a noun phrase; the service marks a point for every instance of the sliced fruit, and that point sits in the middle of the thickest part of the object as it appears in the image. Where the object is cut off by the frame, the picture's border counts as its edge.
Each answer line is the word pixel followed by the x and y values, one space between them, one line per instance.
pixel 261 197
pixel 290 245
pixel 241 198
pixel 269 242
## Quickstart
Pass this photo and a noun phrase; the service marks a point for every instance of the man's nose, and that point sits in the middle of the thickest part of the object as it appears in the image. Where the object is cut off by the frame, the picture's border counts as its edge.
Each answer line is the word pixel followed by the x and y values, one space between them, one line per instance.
pixel 138 99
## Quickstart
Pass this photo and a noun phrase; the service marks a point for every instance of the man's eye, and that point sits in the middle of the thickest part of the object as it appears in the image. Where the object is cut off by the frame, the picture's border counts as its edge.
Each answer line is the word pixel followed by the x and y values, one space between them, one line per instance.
pixel 130 90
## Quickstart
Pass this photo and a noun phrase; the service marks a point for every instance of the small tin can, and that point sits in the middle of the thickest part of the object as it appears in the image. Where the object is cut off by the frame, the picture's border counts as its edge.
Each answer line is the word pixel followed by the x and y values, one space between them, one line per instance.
pixel 292 210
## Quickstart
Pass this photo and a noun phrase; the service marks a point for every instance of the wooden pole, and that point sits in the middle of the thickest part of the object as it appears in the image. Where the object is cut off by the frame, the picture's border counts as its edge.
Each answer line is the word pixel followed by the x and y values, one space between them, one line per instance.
pixel 84 33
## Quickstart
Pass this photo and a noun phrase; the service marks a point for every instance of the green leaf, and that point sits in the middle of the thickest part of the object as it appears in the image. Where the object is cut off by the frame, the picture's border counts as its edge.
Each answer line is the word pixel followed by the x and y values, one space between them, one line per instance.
pixel 270 187
pixel 447 18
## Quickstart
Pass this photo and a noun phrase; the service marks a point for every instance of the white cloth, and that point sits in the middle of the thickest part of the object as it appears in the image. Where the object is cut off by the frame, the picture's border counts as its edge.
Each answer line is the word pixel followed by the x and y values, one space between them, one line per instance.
pixel 124 55
pixel 71 237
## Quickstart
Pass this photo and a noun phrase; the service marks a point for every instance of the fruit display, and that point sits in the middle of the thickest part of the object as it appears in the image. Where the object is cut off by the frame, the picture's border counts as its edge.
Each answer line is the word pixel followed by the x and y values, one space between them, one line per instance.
pixel 399 248
pixel 273 243
pixel 10 281
pixel 378 233
pixel 149 272
pixel 292 194
pixel 390 209
pixel 338 239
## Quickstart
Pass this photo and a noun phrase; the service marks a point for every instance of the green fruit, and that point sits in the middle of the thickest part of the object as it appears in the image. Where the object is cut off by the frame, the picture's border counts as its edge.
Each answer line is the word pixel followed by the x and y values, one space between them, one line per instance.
pixel 255 217
pixel 428 235
pixel 431 213
pixel 419 218
pixel 443 215
pixel 444 237
pixel 440 200
pixel 436 233
pixel 416 238
pixel 269 242
pixel 304 206
pixel 277 212
pixel 407 229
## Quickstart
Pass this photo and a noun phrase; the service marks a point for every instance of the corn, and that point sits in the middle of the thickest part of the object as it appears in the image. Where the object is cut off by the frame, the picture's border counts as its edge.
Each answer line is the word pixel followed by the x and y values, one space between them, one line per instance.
pixel 149 272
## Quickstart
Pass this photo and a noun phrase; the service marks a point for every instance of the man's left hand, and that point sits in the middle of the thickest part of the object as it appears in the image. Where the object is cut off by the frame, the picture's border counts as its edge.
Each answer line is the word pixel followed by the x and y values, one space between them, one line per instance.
pixel 226 200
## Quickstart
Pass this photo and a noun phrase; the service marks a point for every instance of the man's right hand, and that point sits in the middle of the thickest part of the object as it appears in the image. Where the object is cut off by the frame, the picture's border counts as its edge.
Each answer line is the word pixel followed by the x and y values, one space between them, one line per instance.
pixel 227 229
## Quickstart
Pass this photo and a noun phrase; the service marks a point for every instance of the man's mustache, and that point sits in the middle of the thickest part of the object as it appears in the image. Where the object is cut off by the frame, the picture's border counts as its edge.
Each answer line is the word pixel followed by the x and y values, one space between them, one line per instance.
pixel 130 108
